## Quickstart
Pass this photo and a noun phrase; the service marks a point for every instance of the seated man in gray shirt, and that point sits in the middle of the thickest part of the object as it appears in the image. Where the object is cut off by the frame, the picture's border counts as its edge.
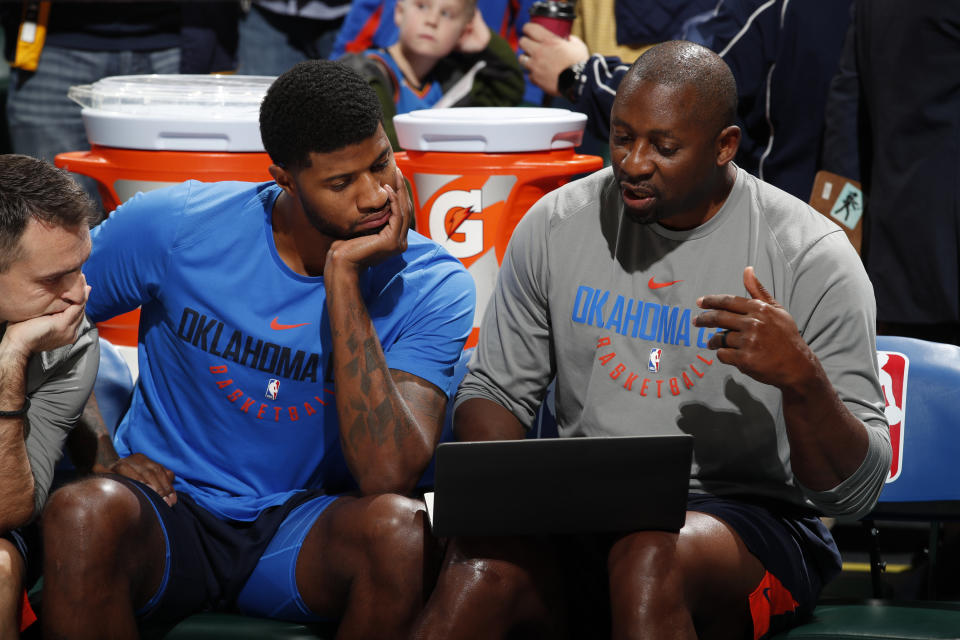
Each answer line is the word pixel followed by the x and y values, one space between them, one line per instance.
pixel 675 293
pixel 48 354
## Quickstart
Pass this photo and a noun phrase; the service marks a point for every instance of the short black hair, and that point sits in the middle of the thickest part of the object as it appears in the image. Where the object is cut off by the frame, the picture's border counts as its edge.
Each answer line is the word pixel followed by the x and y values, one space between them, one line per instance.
pixel 317 106
pixel 679 62
pixel 32 188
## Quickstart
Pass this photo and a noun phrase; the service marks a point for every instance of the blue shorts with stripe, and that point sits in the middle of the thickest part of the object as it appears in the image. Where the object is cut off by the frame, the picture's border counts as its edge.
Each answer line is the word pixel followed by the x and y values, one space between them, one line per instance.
pixel 216 564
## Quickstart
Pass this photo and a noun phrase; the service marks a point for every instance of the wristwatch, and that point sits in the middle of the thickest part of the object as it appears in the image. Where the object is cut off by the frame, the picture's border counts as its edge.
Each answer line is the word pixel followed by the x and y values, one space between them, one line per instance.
pixel 569 79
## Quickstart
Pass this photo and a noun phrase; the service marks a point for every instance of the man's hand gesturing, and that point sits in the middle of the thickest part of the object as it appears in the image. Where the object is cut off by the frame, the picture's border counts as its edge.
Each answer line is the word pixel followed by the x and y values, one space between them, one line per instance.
pixel 760 337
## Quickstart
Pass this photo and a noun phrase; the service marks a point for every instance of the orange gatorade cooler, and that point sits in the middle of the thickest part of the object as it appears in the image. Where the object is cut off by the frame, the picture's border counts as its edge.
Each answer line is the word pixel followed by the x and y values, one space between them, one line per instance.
pixel 152 131
pixel 475 171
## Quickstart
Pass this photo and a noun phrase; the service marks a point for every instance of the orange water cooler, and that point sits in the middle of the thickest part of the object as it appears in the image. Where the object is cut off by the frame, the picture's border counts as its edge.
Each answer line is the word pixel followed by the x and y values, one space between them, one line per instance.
pixel 148 132
pixel 476 171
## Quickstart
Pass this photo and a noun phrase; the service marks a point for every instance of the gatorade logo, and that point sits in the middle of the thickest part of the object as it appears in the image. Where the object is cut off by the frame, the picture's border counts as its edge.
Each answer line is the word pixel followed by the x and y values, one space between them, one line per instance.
pixel 451 223
pixel 467 215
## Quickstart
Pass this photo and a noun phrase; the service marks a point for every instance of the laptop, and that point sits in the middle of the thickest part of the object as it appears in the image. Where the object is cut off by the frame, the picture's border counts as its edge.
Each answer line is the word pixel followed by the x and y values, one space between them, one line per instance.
pixel 560 485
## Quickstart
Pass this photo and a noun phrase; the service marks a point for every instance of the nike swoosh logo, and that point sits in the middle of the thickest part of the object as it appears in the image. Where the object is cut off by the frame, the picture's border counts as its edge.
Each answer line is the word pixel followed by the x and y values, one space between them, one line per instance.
pixel 660 285
pixel 276 326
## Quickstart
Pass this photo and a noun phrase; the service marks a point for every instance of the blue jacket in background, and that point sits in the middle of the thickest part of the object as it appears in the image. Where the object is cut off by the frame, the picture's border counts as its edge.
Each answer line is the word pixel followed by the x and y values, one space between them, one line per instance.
pixel 783 55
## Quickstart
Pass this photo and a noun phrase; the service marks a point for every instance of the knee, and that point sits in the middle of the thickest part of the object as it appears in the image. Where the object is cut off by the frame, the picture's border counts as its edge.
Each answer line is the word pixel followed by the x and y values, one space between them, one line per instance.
pixel 646 560
pixel 96 509
pixel 646 551
pixel 393 531
pixel 496 576
pixel 11 564
pixel 506 568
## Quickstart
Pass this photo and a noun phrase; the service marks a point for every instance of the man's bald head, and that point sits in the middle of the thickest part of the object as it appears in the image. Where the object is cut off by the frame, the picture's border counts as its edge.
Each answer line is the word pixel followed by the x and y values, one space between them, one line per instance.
pixel 681 63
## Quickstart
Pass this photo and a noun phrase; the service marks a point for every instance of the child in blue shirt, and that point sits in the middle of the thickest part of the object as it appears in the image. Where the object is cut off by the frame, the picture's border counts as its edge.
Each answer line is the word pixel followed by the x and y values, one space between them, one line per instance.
pixel 445 56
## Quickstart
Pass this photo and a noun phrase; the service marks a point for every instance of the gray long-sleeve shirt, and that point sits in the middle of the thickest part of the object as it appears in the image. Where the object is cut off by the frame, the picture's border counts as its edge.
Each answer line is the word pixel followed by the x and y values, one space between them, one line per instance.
pixel 58 385
pixel 607 307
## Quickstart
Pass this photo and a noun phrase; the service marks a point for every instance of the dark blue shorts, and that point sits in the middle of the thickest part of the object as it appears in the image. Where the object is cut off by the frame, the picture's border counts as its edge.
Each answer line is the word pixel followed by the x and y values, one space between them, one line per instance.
pixel 793 545
pixel 216 564
pixel 15 537
pixel 27 541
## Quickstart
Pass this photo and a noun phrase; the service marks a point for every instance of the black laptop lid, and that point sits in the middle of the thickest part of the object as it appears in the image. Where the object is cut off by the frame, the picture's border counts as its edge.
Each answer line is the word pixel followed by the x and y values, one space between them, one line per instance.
pixel 561 485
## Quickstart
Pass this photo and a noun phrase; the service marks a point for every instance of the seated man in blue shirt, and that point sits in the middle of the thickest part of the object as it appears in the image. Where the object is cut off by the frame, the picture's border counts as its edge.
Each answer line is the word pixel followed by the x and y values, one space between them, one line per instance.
pixel 296 351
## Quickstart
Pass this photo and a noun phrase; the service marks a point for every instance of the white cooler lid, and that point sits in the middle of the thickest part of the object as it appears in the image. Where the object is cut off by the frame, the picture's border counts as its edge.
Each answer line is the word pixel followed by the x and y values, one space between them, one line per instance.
pixel 174 112
pixel 490 129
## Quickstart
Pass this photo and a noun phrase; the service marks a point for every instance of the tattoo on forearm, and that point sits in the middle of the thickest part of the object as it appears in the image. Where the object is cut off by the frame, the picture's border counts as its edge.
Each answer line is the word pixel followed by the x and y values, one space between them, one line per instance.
pixel 383 414
pixel 371 363
pixel 371 349
pixel 359 404
pixel 371 417
pixel 358 431
pixel 352 368
pixel 352 344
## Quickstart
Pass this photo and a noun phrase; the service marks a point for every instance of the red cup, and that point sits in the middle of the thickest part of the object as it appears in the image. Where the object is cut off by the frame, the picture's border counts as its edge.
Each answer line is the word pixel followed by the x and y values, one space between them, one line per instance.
pixel 555 15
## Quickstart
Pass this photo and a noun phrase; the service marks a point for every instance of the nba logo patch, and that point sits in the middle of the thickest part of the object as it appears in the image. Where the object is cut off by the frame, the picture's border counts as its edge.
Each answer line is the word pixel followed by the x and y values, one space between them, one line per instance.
pixel 653 363
pixel 273 388
pixel 894 369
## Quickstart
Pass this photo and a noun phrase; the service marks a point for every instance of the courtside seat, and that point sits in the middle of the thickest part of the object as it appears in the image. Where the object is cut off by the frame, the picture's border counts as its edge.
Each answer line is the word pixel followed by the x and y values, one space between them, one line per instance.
pixel 921 384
